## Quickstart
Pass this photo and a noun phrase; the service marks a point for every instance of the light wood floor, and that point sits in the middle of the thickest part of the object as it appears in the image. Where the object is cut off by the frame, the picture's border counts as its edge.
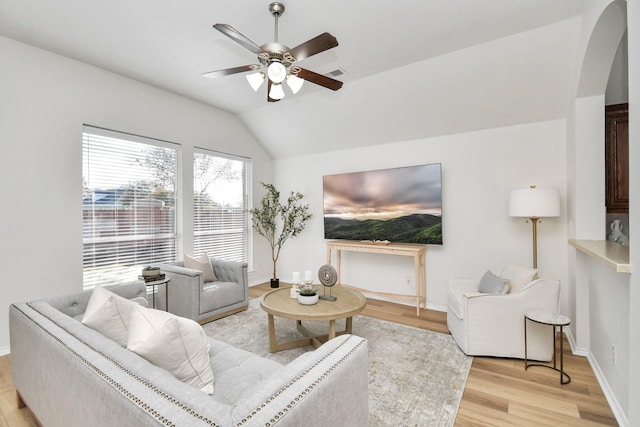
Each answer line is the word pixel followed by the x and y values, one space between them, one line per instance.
pixel 499 392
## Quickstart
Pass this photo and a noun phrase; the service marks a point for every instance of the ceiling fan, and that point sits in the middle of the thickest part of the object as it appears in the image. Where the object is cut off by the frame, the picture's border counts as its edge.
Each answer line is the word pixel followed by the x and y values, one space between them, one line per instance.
pixel 279 60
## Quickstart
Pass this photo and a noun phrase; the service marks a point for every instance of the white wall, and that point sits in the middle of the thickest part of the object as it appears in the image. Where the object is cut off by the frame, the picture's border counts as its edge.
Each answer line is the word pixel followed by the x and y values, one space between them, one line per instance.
pixel 589 194
pixel 478 171
pixel 604 303
pixel 633 28
pixel 44 101
pixel 618 84
pixel 609 318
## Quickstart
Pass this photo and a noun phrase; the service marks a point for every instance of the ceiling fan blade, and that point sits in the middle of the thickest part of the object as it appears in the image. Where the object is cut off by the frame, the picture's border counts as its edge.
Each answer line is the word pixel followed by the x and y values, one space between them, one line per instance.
pixel 238 37
pixel 228 71
pixel 319 79
pixel 324 41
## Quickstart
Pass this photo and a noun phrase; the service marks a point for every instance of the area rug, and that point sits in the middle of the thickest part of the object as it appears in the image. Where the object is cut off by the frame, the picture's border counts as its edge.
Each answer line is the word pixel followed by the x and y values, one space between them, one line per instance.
pixel 416 377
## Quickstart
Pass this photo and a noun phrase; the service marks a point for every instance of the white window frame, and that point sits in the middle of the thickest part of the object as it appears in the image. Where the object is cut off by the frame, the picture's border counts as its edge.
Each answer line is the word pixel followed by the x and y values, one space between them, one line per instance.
pixel 242 225
pixel 94 272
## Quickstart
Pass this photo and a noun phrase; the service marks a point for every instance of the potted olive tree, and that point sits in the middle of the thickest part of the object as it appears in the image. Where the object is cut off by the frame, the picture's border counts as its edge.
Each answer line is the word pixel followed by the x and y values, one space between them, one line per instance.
pixel 277 222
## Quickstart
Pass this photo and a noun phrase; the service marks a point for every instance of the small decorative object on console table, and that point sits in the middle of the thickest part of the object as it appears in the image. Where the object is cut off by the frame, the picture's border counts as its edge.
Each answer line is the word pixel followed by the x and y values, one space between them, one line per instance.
pixel 553 320
pixel 308 294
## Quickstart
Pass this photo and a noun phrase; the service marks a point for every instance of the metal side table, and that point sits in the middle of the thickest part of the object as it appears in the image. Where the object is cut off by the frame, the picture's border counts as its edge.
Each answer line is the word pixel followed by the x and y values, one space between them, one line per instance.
pixel 155 283
pixel 553 320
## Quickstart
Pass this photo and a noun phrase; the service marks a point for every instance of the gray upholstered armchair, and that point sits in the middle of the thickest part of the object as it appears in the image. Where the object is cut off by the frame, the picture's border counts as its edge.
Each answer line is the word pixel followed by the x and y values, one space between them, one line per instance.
pixel 190 296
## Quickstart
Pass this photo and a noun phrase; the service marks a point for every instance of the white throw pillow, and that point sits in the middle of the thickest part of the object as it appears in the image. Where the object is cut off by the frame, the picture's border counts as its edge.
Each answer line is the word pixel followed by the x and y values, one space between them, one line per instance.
pixel 173 343
pixel 201 264
pixel 109 314
pixel 518 276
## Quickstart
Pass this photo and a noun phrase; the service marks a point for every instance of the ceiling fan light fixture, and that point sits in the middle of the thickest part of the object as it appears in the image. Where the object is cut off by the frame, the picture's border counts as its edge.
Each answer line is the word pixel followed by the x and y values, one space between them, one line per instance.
pixel 295 83
pixel 256 80
pixel 276 72
pixel 276 92
pixel 279 60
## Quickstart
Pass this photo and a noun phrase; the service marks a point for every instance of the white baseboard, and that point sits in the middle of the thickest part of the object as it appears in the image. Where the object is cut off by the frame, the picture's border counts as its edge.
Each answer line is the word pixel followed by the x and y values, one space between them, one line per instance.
pixel 436 307
pixel 608 393
pixel 430 306
pixel 578 351
pixel 256 282
pixel 4 351
pixel 621 418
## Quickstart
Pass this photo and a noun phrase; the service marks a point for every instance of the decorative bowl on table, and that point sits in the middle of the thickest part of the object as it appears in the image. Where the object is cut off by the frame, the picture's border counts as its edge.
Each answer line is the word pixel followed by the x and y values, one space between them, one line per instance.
pixel 308 294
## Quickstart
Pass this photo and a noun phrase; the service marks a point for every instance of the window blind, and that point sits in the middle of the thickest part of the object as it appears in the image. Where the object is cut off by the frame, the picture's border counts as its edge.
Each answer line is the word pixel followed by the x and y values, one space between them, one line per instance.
pixel 128 204
pixel 220 203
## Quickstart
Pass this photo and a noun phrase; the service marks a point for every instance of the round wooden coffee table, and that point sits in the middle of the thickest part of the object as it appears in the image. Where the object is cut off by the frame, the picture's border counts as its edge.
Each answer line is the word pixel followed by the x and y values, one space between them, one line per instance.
pixel 278 303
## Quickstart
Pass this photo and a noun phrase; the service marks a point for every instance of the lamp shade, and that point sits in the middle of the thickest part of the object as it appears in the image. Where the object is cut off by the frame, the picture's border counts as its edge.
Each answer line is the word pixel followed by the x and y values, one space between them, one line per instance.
pixel 276 92
pixel 534 202
pixel 295 83
pixel 256 80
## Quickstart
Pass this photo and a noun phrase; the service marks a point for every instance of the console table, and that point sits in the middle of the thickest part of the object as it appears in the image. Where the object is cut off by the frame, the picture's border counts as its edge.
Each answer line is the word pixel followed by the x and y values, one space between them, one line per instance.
pixel 418 252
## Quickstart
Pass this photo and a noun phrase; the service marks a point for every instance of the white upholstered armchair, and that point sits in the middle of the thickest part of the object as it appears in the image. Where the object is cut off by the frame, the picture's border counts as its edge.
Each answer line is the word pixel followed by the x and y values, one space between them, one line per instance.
pixel 486 324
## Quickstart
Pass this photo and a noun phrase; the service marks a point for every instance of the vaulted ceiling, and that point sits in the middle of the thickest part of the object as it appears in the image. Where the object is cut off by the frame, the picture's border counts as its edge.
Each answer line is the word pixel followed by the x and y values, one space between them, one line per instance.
pixel 412 69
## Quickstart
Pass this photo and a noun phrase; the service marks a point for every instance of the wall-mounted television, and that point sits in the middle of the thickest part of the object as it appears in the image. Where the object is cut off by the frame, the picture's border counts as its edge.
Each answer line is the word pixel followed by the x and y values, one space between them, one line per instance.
pixel 401 205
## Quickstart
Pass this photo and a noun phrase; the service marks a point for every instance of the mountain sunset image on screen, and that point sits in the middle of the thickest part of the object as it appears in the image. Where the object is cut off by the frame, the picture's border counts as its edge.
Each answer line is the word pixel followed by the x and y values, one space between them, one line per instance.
pixel 402 205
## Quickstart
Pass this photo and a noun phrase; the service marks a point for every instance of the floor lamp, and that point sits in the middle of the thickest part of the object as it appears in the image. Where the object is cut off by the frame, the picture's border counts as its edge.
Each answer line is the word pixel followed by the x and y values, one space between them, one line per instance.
pixel 534 203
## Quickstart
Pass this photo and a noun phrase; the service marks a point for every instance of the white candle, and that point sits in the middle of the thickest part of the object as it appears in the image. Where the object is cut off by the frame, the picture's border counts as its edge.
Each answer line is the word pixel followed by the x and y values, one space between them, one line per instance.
pixel 296 277
pixel 307 276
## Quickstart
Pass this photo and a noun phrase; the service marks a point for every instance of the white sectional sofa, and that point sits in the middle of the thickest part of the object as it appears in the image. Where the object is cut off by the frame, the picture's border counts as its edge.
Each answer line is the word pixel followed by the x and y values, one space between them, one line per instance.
pixel 70 375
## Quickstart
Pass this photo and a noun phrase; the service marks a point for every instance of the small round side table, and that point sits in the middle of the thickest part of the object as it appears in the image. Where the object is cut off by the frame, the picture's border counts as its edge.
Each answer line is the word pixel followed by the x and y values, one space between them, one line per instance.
pixel 553 320
pixel 155 283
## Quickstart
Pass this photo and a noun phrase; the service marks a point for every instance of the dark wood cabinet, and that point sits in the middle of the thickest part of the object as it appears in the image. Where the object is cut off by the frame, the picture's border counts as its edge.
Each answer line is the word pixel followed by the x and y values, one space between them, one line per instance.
pixel 617 158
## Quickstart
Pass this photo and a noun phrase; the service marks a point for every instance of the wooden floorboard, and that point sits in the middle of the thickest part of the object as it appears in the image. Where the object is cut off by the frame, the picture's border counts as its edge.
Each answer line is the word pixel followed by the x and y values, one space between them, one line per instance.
pixel 499 392
pixel 10 415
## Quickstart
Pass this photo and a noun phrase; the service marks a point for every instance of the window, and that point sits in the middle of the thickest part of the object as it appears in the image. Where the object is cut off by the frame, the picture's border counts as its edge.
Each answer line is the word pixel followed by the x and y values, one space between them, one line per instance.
pixel 129 204
pixel 220 203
